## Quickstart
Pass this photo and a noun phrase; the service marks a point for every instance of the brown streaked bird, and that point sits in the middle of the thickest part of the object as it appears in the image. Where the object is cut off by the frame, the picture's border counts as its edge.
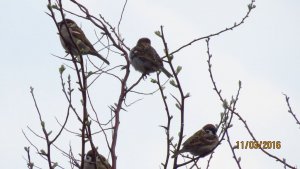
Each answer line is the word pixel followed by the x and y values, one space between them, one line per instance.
pixel 145 59
pixel 201 143
pixel 83 44
pixel 94 160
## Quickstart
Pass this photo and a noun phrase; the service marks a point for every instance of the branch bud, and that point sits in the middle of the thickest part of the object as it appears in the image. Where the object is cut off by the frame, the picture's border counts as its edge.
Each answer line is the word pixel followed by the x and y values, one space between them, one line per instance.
pixel 178 69
pixel 62 69
pixel 172 82
pixel 157 33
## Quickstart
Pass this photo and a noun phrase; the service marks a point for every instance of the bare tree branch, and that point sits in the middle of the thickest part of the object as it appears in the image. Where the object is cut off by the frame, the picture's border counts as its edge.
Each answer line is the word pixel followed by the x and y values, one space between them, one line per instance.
pixel 251 6
pixel 287 99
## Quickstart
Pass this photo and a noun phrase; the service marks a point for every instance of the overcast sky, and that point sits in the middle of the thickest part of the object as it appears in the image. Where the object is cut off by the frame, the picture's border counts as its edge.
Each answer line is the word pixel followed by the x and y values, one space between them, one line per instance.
pixel 263 53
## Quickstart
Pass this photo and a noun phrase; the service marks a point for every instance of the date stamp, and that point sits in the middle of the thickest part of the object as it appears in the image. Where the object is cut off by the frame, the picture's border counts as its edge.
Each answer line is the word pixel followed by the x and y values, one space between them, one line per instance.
pixel 258 145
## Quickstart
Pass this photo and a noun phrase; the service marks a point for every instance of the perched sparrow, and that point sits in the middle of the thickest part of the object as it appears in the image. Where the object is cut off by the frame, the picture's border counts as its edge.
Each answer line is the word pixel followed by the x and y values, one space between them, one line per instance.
pixel 201 143
pixel 145 59
pixel 83 44
pixel 94 160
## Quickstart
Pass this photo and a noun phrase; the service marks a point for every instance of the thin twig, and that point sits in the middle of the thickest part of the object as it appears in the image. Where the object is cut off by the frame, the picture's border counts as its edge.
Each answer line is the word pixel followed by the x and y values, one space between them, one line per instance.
pixel 224 119
pixel 169 118
pixel 30 164
pixel 287 99
pixel 46 134
pixel 251 6
pixel 121 17
pixel 237 160
pixel 260 147
pixel 182 96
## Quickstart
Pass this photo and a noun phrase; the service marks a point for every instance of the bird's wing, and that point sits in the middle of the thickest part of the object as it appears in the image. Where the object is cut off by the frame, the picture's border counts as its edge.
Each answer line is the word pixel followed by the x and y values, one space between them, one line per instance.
pixel 200 138
pixel 79 35
pixel 104 163
pixel 194 138
pixel 151 55
pixel 155 57
pixel 142 54
pixel 136 52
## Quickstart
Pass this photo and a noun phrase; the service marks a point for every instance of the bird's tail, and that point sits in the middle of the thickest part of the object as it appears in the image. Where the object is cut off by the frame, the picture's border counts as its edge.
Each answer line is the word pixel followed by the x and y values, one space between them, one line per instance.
pixel 100 57
pixel 166 72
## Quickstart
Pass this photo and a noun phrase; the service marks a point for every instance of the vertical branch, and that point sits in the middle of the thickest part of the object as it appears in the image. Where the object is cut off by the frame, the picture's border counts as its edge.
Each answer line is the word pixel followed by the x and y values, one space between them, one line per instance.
pixel 86 125
pixel 226 124
pixel 121 17
pixel 98 122
pixel 237 160
pixel 83 91
pixel 81 76
pixel 82 81
pixel 117 110
pixel 169 118
pixel 105 26
pixel 46 134
pixel 29 162
pixel 182 97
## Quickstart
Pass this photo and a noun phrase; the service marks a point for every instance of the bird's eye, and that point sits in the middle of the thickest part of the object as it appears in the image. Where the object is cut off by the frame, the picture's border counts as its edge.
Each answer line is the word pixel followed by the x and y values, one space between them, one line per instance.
pixel 98 158
pixel 209 132
pixel 88 158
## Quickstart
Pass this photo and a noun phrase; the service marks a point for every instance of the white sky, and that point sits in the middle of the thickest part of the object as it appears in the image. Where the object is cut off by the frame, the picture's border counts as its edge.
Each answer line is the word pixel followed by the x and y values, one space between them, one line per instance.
pixel 263 53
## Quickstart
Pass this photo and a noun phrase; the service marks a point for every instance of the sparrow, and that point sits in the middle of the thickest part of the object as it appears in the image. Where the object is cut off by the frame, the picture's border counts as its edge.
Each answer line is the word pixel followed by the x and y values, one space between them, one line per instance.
pixel 145 59
pixel 83 44
pixel 94 160
pixel 201 143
